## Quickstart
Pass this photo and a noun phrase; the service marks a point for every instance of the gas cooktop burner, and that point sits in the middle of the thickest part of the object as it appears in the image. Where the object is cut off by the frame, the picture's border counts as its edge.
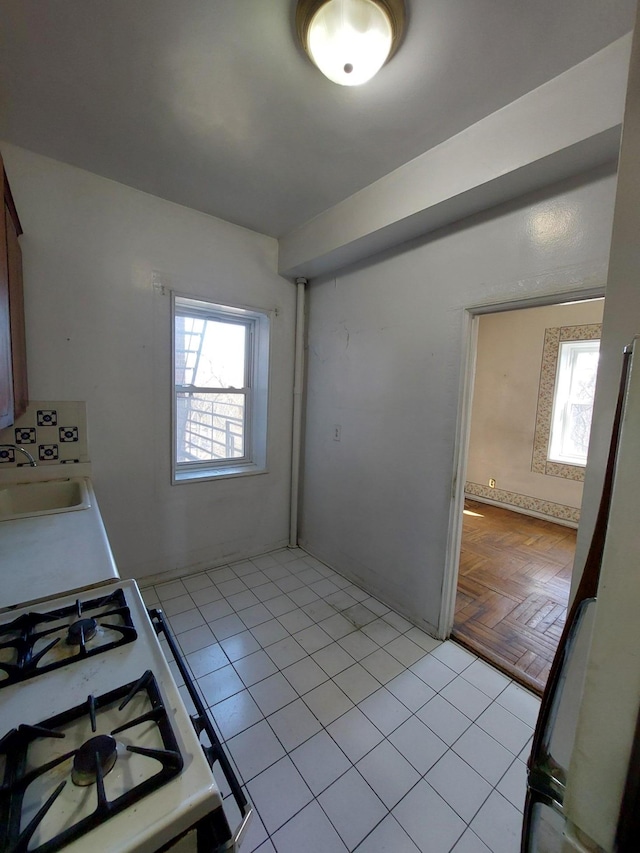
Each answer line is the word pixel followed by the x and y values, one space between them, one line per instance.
pixel 81 631
pixel 35 643
pixel 57 782
pixel 97 753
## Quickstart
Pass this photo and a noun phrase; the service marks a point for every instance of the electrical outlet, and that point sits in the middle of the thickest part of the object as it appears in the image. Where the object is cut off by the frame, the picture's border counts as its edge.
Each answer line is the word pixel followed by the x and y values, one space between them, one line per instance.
pixel 492 483
pixel 337 430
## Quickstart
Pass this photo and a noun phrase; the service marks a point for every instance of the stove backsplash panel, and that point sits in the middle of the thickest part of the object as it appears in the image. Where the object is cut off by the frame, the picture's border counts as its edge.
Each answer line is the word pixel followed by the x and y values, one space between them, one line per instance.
pixel 53 432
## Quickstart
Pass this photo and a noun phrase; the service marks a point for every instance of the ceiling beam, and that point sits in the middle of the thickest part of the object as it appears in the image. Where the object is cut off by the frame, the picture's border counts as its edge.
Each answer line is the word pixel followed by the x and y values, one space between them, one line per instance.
pixel 564 127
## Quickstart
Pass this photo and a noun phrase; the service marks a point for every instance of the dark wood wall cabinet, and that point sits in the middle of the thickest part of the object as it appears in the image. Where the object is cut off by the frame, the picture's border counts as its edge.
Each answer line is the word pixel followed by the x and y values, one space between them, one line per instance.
pixel 13 357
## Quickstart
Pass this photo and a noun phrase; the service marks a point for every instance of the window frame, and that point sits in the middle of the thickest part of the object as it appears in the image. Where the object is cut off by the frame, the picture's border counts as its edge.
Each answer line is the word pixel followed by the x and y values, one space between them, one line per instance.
pixel 255 390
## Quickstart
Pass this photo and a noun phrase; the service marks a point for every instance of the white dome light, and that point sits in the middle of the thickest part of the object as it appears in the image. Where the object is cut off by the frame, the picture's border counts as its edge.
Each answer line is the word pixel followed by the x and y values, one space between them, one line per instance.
pixel 349 40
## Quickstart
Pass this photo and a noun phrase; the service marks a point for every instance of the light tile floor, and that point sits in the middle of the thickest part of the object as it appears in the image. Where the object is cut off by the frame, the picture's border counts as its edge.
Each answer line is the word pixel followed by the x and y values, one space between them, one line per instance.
pixel 350 729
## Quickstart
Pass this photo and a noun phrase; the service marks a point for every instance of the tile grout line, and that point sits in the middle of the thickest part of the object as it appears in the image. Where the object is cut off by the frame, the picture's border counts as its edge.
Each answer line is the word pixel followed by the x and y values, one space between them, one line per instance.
pixel 330 679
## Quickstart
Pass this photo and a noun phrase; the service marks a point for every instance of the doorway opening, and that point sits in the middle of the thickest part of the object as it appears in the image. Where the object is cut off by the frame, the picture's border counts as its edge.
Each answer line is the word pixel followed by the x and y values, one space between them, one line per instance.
pixel 519 495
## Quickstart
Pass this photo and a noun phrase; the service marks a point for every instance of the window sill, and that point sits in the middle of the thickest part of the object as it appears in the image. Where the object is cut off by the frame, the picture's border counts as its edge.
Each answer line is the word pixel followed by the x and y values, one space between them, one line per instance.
pixel 225 473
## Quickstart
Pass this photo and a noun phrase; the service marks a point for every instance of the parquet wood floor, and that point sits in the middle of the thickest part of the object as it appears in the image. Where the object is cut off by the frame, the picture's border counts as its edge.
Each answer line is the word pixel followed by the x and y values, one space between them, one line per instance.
pixel 513 589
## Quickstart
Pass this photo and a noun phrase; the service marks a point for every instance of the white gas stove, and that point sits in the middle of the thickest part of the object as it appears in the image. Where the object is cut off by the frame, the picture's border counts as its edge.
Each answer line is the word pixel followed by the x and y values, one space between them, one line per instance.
pixel 97 750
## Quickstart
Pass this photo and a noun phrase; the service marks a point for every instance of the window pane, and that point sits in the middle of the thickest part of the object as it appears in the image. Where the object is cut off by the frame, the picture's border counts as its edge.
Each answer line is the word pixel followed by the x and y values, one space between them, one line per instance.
pixel 210 353
pixel 583 384
pixel 210 427
pixel 573 401
pixel 189 331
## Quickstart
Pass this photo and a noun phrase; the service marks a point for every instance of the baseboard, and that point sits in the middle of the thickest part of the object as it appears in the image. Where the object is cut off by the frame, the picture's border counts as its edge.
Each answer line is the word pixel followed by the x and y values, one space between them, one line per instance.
pixel 144 581
pixel 567 516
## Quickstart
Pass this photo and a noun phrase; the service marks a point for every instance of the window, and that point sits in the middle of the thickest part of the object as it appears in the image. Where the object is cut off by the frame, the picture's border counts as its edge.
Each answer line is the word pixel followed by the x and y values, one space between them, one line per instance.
pixel 554 338
pixel 220 368
pixel 573 401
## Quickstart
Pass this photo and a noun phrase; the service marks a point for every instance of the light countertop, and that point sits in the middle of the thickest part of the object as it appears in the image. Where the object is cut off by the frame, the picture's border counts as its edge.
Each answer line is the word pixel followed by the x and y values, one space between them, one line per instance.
pixel 48 555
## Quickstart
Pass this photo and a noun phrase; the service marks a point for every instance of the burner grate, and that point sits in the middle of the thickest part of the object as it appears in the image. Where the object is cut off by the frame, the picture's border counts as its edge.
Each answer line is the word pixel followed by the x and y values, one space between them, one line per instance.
pixel 31 792
pixel 35 643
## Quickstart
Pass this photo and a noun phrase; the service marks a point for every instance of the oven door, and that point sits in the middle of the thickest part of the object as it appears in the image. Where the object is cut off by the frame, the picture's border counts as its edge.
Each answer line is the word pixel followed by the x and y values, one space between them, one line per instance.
pixel 212 834
pixel 187 844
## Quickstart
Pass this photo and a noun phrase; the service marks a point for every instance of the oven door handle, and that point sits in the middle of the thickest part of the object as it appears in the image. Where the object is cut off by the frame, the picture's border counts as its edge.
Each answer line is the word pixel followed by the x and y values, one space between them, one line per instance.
pixel 201 722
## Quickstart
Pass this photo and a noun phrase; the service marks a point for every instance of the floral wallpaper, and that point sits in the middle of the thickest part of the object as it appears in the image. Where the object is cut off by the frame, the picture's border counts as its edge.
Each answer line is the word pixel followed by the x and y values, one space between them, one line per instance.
pixel 548 508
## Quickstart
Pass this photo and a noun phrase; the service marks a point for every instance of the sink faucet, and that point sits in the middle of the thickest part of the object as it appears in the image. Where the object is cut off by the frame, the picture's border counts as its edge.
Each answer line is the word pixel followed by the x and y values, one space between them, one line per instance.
pixel 32 461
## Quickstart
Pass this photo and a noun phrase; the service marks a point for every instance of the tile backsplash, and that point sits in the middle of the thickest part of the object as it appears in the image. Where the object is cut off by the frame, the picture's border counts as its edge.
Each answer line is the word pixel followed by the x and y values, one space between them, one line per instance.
pixel 53 433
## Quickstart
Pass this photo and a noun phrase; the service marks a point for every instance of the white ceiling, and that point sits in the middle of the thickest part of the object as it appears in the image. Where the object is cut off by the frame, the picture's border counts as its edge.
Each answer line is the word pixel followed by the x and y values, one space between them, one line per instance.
pixel 212 103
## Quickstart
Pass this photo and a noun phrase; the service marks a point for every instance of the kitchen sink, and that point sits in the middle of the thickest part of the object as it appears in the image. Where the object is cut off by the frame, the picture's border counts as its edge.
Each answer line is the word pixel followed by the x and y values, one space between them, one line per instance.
pixel 24 500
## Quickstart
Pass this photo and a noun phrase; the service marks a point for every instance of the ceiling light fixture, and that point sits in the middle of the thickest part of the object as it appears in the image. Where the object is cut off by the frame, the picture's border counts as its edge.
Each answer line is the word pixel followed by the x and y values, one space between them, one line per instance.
pixel 350 40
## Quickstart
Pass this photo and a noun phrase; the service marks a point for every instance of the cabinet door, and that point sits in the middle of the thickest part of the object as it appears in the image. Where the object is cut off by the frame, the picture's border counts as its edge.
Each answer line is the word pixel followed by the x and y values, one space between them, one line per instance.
pixel 6 371
pixel 16 315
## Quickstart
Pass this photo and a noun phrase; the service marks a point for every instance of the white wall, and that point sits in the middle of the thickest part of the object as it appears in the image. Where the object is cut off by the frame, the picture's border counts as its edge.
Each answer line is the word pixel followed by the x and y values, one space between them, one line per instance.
pixel 613 676
pixel 98 330
pixel 385 347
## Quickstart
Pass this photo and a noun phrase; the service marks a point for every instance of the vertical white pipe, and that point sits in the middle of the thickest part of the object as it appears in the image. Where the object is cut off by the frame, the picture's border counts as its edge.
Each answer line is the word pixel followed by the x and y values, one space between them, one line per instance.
pixel 298 389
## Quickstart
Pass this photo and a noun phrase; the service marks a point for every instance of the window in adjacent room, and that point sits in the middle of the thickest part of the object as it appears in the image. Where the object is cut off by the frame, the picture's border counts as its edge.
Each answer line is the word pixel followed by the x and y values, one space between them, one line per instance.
pixel 573 401
pixel 220 368
pixel 565 398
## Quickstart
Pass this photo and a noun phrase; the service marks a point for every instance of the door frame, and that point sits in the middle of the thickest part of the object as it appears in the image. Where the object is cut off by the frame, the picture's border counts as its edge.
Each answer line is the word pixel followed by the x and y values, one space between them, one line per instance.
pixel 471 319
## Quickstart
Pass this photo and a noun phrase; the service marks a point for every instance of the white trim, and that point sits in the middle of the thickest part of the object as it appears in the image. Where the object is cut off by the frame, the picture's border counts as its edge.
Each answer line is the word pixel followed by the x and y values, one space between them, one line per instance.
pixel 567 351
pixel 460 452
pixel 256 391
pixel 463 431
pixel 223 472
